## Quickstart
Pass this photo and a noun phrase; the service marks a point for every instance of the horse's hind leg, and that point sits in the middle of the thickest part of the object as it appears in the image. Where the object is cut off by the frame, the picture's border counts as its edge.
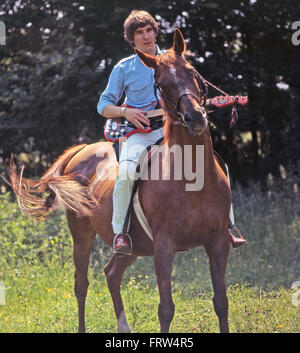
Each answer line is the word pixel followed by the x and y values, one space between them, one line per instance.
pixel 114 271
pixel 83 237
pixel 218 256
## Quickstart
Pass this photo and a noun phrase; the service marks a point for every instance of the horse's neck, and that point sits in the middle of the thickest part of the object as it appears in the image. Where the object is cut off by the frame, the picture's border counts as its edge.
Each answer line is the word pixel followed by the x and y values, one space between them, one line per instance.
pixel 181 137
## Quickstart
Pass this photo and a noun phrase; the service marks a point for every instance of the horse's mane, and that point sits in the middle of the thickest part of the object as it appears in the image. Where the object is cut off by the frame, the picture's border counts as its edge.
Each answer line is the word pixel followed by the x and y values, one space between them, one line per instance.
pixel 167 58
pixel 168 125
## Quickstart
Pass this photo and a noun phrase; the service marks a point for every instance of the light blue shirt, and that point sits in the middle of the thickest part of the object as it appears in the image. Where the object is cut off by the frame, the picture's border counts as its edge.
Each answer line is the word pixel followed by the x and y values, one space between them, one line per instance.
pixel 132 77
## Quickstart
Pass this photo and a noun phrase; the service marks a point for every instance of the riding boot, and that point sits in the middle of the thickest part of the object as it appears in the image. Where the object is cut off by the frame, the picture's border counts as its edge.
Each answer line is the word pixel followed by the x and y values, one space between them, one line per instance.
pixel 122 245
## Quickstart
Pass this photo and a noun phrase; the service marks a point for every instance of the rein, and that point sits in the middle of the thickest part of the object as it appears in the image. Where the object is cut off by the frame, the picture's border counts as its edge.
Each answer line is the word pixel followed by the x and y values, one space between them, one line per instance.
pixel 234 113
pixel 179 115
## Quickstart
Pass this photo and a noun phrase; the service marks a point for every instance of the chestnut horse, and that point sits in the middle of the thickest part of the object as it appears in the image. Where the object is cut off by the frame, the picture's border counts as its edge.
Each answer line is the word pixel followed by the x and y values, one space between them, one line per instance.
pixel 179 219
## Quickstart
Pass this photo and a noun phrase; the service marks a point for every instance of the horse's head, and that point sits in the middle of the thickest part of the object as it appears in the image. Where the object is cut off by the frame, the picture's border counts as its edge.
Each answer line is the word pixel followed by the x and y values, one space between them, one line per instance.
pixel 180 85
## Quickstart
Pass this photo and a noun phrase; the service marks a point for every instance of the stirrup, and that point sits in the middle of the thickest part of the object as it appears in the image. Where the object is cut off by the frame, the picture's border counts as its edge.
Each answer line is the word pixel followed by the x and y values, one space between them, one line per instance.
pixel 235 241
pixel 130 242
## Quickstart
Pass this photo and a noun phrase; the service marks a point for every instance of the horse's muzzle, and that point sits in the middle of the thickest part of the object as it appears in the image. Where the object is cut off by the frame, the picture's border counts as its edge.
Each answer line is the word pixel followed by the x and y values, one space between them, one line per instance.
pixel 197 132
pixel 196 123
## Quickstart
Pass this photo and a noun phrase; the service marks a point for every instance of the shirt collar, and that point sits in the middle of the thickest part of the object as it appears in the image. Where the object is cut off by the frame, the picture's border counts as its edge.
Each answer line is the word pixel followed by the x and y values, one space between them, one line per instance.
pixel 158 51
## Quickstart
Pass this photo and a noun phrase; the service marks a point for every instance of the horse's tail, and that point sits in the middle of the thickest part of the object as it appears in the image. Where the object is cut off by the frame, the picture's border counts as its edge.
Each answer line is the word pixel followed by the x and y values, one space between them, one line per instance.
pixel 63 190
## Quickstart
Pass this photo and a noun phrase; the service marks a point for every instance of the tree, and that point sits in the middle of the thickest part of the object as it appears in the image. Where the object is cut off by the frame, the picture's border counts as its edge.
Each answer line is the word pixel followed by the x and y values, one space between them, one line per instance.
pixel 59 55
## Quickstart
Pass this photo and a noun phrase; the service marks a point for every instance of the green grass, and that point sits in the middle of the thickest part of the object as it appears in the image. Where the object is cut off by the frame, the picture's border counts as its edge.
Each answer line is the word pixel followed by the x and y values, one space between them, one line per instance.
pixel 37 268
pixel 40 299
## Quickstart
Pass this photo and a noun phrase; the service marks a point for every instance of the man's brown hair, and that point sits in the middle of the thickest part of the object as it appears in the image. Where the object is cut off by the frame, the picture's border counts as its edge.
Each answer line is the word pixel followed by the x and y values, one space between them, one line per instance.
pixel 136 19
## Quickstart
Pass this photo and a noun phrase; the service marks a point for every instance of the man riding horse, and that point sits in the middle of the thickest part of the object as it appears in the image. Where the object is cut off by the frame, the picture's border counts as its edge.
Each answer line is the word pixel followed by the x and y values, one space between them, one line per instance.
pixel 132 77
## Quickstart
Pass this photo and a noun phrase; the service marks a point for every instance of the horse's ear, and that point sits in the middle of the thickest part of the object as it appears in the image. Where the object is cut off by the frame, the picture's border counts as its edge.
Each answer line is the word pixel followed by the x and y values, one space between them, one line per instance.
pixel 178 42
pixel 148 60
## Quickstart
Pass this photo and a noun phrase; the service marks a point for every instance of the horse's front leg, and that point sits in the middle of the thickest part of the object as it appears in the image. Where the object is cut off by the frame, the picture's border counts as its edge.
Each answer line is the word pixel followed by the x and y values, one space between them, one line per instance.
pixel 163 258
pixel 218 256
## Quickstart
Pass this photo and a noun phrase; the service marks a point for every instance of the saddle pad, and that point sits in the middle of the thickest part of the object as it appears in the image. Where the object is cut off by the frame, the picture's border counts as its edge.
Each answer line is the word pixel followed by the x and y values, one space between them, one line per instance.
pixel 151 153
pixel 141 215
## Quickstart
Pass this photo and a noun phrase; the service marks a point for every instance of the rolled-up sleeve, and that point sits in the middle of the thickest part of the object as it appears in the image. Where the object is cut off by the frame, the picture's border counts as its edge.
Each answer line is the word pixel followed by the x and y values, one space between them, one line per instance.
pixel 114 89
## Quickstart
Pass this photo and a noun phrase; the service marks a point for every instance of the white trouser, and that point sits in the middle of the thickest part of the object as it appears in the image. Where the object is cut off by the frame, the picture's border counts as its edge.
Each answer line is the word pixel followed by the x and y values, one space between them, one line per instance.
pixel 130 152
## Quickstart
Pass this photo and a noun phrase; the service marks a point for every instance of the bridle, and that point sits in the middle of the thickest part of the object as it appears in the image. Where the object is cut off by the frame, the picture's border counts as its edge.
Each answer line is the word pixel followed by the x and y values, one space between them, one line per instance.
pixel 201 98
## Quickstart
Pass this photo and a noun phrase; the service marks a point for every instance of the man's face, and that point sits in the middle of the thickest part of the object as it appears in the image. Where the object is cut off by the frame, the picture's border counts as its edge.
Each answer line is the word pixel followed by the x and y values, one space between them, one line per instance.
pixel 144 39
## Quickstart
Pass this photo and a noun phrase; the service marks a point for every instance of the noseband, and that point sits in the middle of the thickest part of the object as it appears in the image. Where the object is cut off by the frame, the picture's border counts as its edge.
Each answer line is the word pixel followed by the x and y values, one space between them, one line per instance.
pixel 201 99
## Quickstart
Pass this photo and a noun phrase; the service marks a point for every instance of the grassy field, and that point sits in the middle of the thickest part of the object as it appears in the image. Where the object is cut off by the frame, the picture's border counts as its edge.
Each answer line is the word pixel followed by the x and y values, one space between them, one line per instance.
pixel 37 269
pixel 40 299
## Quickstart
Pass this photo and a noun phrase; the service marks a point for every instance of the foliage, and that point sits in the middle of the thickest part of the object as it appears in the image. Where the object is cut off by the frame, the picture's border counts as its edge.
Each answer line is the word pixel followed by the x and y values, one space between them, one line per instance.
pixel 59 55
pixel 25 242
